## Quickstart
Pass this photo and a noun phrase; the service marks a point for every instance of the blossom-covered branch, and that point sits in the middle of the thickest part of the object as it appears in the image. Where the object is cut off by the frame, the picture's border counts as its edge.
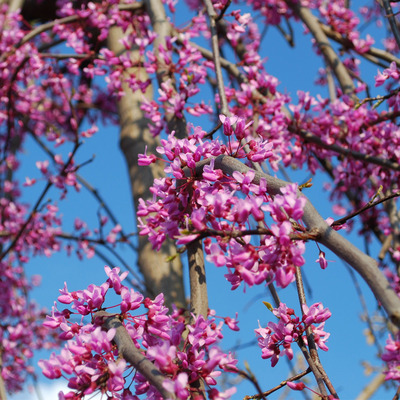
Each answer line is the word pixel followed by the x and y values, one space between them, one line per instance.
pixel 362 263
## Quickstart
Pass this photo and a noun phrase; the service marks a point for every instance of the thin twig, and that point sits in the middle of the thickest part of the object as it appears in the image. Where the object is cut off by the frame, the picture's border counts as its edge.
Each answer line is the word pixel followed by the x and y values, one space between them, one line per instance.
pixel 222 12
pixel 251 377
pixel 364 307
pixel 212 15
pixel 283 383
pixel 123 237
pixel 314 368
pixel 38 202
pixel 369 205
pixel 305 235
pixel 310 338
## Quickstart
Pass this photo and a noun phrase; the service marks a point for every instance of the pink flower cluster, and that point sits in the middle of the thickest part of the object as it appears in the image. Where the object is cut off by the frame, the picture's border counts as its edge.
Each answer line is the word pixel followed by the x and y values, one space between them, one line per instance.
pixel 391 72
pixel 380 139
pixel 186 208
pixel 392 357
pixel 21 331
pixel 90 362
pixel 277 338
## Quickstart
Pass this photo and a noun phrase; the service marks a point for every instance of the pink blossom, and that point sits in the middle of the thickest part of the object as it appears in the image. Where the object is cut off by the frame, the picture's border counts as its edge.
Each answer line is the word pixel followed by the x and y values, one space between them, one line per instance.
pixel 277 338
pixel 322 260
pixel 296 386
pixel 144 159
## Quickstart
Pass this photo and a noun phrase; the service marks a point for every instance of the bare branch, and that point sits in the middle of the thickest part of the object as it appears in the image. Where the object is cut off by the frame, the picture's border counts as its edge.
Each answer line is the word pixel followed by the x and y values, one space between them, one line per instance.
pixel 330 55
pixel 212 15
pixel 283 383
pixel 369 205
pixel 162 27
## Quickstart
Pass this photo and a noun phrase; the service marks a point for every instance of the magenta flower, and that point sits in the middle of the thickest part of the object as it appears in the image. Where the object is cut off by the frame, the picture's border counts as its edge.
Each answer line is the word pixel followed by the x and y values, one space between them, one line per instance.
pixel 90 359
pixel 277 338
pixel 392 357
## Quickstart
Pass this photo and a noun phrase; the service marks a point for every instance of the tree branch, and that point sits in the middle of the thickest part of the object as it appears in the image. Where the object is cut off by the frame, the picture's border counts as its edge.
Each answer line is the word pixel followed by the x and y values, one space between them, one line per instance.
pixel 131 354
pixel 212 15
pixel 392 22
pixel 366 266
pixel 197 278
pixel 309 137
pixel 330 55
pixel 373 52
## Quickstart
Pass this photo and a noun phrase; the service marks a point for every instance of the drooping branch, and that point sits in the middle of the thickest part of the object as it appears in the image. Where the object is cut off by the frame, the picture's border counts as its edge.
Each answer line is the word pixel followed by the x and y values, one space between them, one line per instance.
pixel 131 354
pixel 365 265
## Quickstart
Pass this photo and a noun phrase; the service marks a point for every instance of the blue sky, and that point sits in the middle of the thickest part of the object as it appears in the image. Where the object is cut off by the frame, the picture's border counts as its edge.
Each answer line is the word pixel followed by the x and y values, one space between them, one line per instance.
pixel 296 70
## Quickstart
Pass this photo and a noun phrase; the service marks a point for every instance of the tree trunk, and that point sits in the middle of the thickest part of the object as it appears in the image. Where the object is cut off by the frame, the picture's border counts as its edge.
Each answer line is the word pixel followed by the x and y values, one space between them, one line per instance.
pixel 160 275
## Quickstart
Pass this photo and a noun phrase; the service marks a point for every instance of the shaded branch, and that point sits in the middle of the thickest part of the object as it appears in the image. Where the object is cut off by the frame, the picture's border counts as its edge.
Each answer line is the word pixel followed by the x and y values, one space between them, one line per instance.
pixel 67 20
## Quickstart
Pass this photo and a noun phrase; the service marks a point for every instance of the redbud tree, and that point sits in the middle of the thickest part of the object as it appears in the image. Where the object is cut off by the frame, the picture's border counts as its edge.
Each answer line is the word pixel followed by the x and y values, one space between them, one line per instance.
pixel 221 158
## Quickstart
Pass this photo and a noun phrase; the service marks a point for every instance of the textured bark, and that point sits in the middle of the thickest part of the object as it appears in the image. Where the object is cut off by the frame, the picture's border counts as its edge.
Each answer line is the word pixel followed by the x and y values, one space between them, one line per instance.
pixel 160 275
pixel 162 27
pixel 197 278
